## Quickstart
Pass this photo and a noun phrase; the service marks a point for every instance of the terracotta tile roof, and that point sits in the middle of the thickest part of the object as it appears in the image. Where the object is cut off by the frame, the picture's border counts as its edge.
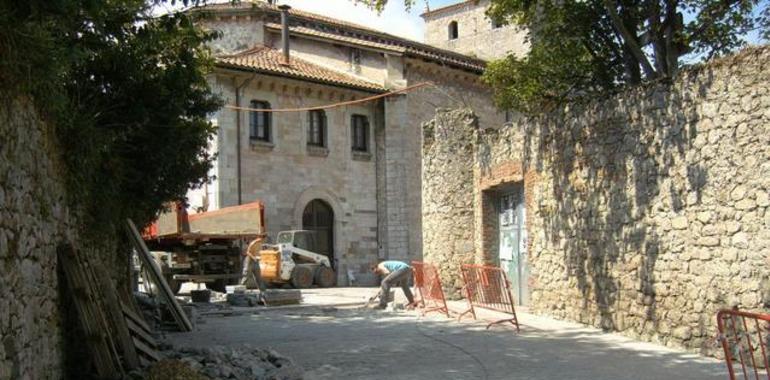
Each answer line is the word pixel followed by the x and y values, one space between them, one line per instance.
pixel 415 49
pixel 310 32
pixel 266 60
pixel 448 8
pixel 263 5
pixel 311 24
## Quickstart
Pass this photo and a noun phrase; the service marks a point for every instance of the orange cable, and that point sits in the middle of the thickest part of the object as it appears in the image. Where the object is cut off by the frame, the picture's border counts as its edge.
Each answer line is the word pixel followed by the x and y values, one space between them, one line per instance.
pixel 340 104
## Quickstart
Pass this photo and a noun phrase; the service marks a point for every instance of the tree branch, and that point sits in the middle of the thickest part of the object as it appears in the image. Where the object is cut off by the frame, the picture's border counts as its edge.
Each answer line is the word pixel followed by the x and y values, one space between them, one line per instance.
pixel 671 25
pixel 715 13
pixel 629 39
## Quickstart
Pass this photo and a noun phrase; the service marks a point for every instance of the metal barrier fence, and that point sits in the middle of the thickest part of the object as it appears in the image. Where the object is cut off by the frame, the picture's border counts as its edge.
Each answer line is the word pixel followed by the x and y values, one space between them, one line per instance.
pixel 488 287
pixel 428 284
pixel 743 341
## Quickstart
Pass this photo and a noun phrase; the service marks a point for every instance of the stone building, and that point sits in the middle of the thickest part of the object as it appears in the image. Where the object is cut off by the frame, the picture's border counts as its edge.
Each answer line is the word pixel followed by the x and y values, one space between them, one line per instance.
pixel 465 28
pixel 352 172
pixel 645 212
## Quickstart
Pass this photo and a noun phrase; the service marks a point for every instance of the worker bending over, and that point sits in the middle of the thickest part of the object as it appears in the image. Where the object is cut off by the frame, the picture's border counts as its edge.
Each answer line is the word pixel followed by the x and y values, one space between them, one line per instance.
pixel 397 273
pixel 251 276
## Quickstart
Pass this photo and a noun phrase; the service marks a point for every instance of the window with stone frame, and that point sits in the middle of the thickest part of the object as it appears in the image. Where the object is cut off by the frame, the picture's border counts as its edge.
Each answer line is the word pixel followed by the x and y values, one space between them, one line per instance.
pixel 359 125
pixel 316 131
pixel 453 30
pixel 355 60
pixel 260 122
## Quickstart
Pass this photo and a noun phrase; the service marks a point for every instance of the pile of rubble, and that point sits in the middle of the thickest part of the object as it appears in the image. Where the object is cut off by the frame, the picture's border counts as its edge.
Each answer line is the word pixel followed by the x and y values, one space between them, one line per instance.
pixel 243 362
pixel 218 362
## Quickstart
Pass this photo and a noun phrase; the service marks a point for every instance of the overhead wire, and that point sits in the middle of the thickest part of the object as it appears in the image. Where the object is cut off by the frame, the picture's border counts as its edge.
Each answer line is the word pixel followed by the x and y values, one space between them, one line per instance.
pixel 338 104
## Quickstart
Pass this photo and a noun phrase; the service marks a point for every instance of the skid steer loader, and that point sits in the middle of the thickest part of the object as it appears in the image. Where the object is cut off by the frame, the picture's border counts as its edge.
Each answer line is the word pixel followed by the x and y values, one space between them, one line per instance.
pixel 292 260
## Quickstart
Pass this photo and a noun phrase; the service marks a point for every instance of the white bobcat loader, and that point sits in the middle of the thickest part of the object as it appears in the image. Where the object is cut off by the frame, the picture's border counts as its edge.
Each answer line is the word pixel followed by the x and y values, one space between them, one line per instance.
pixel 292 260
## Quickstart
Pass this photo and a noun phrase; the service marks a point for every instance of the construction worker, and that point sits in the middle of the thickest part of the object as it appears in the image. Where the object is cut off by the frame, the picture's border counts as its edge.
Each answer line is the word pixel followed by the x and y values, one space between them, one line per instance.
pixel 251 276
pixel 397 273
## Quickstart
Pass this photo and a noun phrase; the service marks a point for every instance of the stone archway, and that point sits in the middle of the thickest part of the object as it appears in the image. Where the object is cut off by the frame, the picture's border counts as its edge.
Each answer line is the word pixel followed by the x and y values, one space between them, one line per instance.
pixel 318 217
pixel 339 240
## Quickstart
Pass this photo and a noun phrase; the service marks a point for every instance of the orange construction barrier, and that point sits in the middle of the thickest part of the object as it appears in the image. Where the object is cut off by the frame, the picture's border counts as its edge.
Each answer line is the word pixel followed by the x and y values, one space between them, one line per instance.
pixel 488 287
pixel 745 338
pixel 428 284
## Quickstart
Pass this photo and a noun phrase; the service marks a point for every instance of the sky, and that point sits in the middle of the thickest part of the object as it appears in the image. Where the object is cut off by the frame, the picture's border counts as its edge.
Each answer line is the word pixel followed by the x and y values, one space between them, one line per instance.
pixel 394 19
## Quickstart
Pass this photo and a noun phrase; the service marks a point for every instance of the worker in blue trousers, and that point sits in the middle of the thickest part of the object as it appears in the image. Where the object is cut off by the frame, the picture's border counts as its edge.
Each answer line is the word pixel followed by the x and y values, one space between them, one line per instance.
pixel 397 273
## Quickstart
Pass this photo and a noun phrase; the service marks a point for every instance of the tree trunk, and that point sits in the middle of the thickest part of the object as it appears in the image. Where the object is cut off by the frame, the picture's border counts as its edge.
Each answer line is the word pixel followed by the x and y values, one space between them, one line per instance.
pixel 630 40
pixel 673 25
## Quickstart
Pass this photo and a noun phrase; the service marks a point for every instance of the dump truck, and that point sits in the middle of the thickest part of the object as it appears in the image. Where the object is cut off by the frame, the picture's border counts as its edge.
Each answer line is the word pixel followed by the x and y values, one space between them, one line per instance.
pixel 204 247
pixel 208 248
pixel 292 260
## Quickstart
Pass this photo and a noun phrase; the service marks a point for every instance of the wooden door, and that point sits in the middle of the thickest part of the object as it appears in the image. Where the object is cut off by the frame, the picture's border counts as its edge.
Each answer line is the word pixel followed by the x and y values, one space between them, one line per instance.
pixel 513 243
pixel 319 218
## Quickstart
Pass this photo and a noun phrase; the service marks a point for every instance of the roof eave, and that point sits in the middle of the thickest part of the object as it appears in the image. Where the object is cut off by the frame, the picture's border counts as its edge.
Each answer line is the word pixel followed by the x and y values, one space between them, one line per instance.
pixel 232 66
pixel 309 36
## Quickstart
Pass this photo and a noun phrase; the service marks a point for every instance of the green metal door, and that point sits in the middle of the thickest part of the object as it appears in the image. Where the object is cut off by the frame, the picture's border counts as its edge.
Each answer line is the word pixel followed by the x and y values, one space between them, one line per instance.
pixel 513 243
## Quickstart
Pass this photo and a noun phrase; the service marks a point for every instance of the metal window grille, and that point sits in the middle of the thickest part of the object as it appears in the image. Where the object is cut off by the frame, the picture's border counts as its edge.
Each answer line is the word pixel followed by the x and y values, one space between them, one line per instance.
pixel 259 122
pixel 360 133
pixel 317 128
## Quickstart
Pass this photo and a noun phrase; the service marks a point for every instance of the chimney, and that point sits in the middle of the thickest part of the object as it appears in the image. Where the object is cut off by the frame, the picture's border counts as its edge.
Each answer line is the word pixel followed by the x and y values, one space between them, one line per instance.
pixel 285 32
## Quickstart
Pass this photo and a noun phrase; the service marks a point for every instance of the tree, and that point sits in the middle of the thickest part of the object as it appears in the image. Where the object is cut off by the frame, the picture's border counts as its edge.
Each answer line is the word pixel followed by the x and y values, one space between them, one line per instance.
pixel 580 47
pixel 126 93
pixel 595 46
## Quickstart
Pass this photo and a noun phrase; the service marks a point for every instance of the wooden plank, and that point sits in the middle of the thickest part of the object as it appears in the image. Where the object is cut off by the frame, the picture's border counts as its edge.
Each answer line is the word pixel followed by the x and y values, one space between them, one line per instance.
pixel 113 309
pixel 99 306
pixel 146 350
pixel 157 277
pixel 101 354
pixel 136 318
pixel 139 332
pixel 144 361
pixel 95 330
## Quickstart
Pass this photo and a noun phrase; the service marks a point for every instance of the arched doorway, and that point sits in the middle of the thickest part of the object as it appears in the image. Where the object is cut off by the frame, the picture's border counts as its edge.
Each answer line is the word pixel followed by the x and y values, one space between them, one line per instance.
pixel 319 217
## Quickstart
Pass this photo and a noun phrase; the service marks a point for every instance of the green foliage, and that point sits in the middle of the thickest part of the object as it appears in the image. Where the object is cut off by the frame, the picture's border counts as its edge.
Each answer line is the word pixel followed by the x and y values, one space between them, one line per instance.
pixel 126 93
pixel 594 46
pixel 554 68
pixel 379 5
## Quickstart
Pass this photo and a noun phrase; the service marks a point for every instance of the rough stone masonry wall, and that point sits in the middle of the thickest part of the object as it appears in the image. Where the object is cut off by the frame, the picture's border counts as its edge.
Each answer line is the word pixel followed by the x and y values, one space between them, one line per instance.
pixel 476 34
pixel 647 211
pixel 31 215
pixel 448 218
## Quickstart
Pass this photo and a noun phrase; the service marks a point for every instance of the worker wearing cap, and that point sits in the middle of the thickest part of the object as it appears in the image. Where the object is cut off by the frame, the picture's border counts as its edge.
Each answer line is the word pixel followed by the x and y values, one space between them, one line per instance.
pixel 251 273
pixel 397 273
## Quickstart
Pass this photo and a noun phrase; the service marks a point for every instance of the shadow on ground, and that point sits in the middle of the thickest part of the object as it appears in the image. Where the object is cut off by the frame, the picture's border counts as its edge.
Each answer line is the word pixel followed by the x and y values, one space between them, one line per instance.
pixel 331 343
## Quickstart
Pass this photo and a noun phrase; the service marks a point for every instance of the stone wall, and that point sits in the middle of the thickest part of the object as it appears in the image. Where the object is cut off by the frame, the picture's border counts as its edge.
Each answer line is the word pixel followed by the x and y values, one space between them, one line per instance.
pixel 448 228
pixel 646 211
pixel 238 33
pixel 33 221
pixel 453 88
pixel 477 36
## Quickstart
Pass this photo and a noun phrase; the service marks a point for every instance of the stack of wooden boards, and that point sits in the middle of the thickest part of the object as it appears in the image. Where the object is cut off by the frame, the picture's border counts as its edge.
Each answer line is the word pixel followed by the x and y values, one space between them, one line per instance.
pixel 117 336
pixel 111 333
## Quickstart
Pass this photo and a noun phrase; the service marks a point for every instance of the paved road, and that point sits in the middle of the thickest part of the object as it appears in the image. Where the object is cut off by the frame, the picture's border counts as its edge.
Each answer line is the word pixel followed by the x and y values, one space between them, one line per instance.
pixel 346 343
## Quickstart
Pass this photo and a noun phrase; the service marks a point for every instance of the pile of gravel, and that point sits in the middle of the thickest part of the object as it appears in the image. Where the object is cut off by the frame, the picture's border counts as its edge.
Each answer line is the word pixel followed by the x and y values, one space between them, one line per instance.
pixel 242 362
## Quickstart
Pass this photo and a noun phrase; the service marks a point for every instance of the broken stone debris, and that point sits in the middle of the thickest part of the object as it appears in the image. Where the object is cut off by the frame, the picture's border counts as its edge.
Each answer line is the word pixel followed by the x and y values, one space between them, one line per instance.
pixel 243 299
pixel 272 297
pixel 241 363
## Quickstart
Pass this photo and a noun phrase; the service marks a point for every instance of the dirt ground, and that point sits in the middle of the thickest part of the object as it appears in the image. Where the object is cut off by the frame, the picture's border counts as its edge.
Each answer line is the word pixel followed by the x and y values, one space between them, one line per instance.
pixel 345 341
